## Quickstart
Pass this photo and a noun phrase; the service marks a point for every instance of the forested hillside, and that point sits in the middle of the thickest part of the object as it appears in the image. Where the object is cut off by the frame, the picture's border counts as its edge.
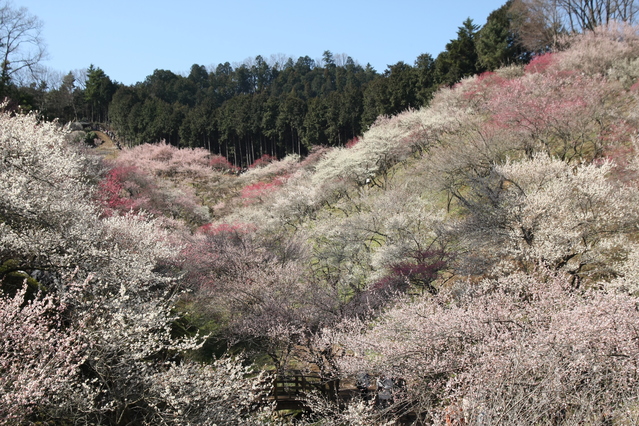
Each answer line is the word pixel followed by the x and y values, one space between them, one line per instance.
pixel 275 105
pixel 283 106
pixel 470 262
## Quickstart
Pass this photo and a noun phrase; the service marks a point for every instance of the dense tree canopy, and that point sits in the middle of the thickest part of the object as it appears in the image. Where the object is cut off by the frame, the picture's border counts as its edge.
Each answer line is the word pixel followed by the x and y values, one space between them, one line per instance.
pixel 460 58
pixel 499 41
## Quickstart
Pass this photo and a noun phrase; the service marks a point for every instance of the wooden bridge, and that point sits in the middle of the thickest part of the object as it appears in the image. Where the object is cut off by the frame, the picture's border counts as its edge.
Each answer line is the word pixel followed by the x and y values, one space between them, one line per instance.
pixel 290 389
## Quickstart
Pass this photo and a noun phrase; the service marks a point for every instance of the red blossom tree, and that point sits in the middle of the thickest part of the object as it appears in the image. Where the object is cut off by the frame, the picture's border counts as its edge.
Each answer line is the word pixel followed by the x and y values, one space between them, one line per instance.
pixel 221 164
pixel 112 193
pixel 541 63
pixel 262 161
pixel 351 143
pixel 256 192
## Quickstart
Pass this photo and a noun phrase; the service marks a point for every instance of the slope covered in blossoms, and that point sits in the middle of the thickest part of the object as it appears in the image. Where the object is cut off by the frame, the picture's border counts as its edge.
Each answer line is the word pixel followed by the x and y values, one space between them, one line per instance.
pixel 87 301
pixel 465 247
pixel 481 251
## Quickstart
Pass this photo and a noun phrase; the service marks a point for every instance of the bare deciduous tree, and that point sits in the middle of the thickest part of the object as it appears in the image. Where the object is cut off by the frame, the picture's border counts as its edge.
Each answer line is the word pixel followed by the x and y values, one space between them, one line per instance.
pixel 21 45
pixel 540 22
pixel 582 15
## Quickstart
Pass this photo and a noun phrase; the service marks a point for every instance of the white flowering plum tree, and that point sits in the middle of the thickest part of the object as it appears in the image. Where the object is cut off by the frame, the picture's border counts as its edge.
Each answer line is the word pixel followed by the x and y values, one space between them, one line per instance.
pixel 544 210
pixel 96 345
pixel 39 360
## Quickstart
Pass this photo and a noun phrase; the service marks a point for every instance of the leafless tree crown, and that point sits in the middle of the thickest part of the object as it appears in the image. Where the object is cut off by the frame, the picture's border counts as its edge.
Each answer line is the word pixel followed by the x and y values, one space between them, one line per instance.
pixel 540 23
pixel 21 45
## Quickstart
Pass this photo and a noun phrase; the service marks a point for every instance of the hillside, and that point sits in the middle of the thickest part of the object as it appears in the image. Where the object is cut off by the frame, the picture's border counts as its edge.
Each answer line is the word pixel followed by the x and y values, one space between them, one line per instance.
pixel 496 231
pixel 481 252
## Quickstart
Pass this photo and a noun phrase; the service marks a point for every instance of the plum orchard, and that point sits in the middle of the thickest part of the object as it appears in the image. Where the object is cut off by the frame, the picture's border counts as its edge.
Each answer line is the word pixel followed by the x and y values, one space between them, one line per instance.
pixel 482 250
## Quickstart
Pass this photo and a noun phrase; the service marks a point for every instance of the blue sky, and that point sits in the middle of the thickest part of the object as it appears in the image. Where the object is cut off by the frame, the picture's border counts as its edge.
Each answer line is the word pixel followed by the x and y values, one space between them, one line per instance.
pixel 130 39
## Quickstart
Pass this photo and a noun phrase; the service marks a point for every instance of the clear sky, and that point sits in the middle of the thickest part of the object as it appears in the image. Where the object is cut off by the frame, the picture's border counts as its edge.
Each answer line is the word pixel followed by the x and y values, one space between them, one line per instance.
pixel 129 39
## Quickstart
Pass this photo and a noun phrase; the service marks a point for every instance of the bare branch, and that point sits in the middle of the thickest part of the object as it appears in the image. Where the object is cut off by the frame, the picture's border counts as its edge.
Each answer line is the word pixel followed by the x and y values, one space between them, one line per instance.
pixel 21 45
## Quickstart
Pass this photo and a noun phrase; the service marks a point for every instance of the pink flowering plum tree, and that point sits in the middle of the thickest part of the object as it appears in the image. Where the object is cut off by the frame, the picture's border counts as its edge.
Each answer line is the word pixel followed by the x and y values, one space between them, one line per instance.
pixel 221 164
pixel 157 179
pixel 263 161
pixel 522 349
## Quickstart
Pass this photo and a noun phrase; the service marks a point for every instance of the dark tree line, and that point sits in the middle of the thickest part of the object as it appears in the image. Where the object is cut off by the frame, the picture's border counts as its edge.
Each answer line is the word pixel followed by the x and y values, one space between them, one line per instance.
pixel 247 111
pixel 278 107
pixel 83 95
pixel 290 106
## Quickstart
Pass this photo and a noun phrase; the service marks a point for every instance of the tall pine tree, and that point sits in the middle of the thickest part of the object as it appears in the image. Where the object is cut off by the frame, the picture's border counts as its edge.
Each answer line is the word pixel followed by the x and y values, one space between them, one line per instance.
pixel 460 58
pixel 498 42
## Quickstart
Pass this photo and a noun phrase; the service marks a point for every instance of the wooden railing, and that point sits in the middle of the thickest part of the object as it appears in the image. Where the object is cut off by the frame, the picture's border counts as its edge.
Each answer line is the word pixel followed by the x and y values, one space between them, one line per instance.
pixel 290 389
